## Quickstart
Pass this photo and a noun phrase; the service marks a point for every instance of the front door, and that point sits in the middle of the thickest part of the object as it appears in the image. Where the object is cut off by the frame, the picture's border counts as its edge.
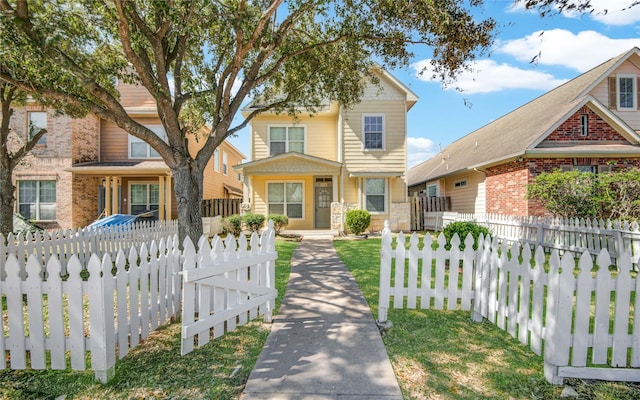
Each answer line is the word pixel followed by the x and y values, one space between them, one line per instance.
pixel 323 197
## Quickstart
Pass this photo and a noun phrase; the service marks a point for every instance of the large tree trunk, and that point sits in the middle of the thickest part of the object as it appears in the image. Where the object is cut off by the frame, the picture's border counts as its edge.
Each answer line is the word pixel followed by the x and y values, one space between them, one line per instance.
pixel 188 184
pixel 6 201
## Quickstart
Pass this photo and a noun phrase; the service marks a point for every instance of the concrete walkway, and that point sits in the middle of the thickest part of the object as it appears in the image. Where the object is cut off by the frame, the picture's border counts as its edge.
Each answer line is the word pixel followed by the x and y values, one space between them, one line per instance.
pixel 324 343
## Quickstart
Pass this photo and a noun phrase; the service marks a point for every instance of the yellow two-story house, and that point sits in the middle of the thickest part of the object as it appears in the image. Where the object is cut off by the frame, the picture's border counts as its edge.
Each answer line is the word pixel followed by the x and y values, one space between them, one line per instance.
pixel 313 169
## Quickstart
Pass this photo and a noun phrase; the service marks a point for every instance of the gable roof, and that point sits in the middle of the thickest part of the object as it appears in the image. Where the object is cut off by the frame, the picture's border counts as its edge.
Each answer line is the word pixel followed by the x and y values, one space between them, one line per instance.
pixel 518 132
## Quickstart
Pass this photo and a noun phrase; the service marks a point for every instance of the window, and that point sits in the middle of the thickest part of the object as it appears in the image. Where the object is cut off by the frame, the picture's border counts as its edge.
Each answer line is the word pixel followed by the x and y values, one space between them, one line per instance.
pixel 432 190
pixel 284 139
pixel 138 148
pixel 144 197
pixel 374 195
pixel 584 125
pixel 626 92
pixel 37 121
pixel 37 199
pixel 239 177
pixel 224 163
pixel 285 198
pixel 216 160
pixel 373 131
pixel 460 184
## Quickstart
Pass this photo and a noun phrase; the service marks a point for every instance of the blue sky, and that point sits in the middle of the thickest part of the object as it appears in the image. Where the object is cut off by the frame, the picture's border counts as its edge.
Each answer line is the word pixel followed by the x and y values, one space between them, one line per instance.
pixel 505 79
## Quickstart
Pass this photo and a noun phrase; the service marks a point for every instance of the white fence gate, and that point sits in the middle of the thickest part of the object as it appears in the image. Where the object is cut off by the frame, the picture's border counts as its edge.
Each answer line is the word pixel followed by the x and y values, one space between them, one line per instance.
pixel 226 285
pixel 586 321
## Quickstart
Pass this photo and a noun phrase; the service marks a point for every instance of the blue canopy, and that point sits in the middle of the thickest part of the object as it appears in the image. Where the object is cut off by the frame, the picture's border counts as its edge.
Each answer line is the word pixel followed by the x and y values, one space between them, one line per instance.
pixel 113 220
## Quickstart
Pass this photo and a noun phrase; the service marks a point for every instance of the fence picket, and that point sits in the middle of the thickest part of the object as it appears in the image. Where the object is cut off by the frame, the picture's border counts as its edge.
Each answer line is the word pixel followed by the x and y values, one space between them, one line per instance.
pixel 13 293
pixel 582 311
pixel 414 255
pixel 621 315
pixel 427 268
pixel 602 317
pixel 74 294
pixel 525 295
pixel 454 271
pixel 34 310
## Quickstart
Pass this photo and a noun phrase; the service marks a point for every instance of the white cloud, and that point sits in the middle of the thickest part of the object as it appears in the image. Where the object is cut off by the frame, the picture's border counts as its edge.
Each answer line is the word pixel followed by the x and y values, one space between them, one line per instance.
pixel 560 47
pixel 490 76
pixel 419 150
pixel 607 12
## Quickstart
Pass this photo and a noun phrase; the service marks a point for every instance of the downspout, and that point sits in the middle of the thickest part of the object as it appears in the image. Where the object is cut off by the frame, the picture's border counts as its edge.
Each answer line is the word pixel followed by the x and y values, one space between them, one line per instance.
pixel 341 161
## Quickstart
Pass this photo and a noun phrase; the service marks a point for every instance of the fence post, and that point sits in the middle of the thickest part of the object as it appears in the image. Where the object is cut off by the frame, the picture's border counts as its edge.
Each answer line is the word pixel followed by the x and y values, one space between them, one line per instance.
pixel 385 274
pixel 477 276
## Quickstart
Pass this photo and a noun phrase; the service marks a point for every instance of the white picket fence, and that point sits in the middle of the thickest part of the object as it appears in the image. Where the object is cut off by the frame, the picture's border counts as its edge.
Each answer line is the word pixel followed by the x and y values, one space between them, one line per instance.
pixel 582 324
pixel 570 234
pixel 95 311
pixel 227 285
pixel 82 243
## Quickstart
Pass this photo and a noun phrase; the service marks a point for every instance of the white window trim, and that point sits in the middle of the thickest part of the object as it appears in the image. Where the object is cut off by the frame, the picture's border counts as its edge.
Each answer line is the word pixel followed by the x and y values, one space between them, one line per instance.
pixel 225 163
pixel 364 148
pixel 43 139
pixel 430 186
pixel 131 183
pixel 386 195
pixel 286 143
pixel 634 96
pixel 135 139
pixel 216 160
pixel 38 201
pixel 584 125
pixel 462 184
pixel 266 191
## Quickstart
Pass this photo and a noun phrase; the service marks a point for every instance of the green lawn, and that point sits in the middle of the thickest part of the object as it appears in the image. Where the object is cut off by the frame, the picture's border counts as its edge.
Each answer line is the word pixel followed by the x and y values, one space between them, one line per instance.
pixel 445 355
pixel 155 370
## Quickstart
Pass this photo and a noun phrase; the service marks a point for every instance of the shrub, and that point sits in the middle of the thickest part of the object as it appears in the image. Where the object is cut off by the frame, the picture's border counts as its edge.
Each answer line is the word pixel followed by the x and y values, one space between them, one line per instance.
pixel 254 221
pixel 232 224
pixel 463 228
pixel 357 221
pixel 279 221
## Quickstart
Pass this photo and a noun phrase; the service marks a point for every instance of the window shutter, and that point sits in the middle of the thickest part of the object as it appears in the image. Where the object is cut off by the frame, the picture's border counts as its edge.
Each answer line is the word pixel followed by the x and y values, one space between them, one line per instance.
pixel 613 103
pixel 638 93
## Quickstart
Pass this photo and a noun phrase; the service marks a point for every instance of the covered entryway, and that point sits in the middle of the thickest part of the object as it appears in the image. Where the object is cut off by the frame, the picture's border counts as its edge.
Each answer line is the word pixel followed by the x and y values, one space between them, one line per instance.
pixel 323 198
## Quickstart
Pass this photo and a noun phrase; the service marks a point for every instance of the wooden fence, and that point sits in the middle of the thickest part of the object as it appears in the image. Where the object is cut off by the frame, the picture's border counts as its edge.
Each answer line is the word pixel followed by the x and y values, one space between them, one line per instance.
pixel 425 211
pixel 106 305
pixel 576 235
pixel 222 207
pixel 585 320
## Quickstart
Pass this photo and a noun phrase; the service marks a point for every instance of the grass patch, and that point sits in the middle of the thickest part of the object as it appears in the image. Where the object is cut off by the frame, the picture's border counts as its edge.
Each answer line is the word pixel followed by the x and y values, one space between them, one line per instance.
pixel 445 355
pixel 155 369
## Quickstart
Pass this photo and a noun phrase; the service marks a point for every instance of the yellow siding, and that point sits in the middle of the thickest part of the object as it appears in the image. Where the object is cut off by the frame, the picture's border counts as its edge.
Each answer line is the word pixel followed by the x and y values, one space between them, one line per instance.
pixel 393 157
pixel 601 92
pixel 463 199
pixel 259 199
pixel 320 135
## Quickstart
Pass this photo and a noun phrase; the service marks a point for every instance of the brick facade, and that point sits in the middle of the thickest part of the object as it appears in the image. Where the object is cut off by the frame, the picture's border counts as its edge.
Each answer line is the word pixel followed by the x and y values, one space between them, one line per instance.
pixel 68 141
pixel 570 130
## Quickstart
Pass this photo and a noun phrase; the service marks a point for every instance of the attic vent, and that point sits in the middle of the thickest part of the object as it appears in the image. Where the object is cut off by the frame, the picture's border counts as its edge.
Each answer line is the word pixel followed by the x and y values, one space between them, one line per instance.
pixel 582 161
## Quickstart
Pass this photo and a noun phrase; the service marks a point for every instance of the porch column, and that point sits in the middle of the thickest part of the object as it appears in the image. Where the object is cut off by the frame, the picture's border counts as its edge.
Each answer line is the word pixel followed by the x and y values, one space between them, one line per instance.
pixel 114 195
pixel 161 199
pixel 334 180
pixel 168 198
pixel 107 196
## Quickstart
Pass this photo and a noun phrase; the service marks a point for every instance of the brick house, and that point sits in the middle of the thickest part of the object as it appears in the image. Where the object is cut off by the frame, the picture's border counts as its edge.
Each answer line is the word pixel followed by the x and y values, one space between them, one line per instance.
pixel 590 123
pixel 87 167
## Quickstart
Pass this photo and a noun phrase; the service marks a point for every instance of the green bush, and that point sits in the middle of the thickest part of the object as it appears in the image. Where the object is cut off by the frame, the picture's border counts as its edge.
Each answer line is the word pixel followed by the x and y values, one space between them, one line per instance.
pixel 463 228
pixel 254 221
pixel 279 221
pixel 357 221
pixel 232 224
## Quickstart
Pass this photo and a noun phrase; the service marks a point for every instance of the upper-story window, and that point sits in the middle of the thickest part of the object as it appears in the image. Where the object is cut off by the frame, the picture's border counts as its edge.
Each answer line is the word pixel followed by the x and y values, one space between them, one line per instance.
pixel 138 148
pixel 37 121
pixel 283 139
pixel 373 131
pixel 432 190
pixel 224 163
pixel 584 125
pixel 626 92
pixel 216 160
